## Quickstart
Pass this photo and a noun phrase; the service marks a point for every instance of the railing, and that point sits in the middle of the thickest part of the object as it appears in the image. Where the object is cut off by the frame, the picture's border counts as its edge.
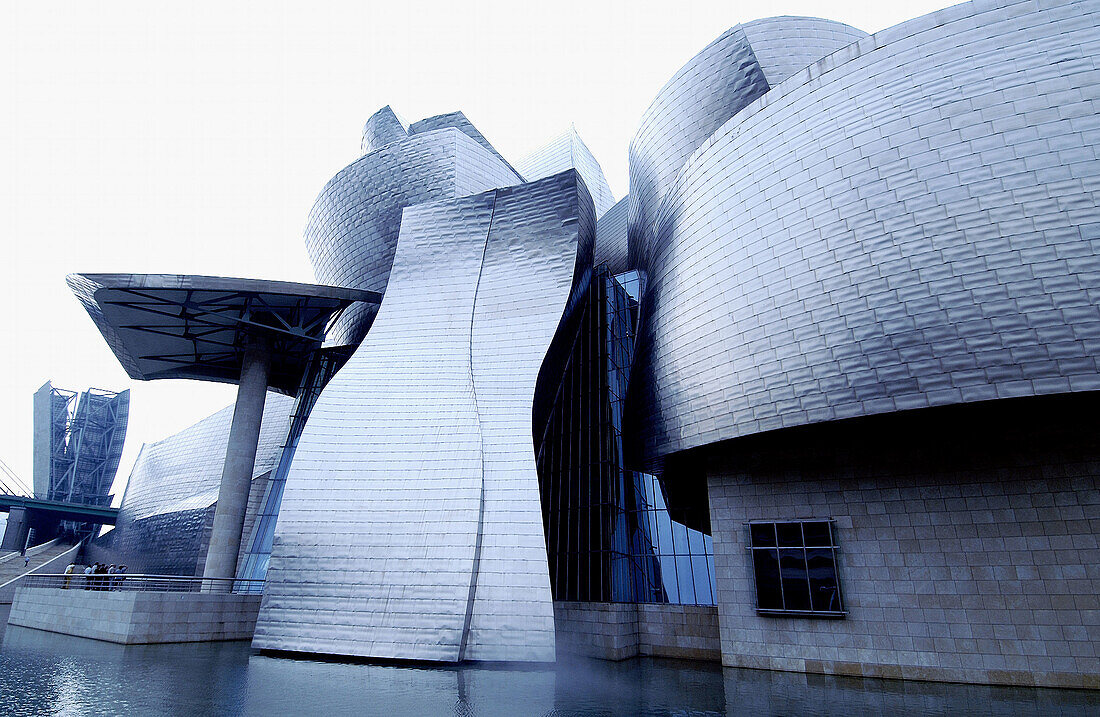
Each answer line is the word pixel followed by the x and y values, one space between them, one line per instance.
pixel 92 500
pixel 125 582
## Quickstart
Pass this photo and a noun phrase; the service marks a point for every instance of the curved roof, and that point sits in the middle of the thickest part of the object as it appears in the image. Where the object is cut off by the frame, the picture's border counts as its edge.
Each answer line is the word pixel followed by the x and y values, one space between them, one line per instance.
pixel 196 327
pixel 727 75
pixel 383 127
pixel 878 240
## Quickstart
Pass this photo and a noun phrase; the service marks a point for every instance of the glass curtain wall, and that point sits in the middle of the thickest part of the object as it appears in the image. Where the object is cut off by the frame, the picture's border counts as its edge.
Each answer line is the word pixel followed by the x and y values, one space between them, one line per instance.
pixel 608 531
pixel 322 366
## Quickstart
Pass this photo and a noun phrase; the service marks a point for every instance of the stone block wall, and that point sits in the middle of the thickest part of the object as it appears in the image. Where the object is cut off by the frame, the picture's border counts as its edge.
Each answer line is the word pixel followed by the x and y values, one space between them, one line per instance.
pixel 968 543
pixel 605 630
pixel 132 618
pixel 618 631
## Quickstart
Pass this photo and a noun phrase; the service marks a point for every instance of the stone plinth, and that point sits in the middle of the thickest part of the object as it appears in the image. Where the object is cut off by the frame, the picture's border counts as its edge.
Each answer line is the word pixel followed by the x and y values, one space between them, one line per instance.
pixel 619 631
pixel 968 544
pixel 136 618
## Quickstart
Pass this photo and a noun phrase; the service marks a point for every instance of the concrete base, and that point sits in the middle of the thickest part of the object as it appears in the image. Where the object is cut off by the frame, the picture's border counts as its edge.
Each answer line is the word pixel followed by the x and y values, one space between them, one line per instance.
pixel 136 618
pixel 619 631
pixel 15 531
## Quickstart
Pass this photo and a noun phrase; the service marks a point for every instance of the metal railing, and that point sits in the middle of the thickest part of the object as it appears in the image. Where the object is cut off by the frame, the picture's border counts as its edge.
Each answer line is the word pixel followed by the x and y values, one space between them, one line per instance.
pixel 92 500
pixel 137 582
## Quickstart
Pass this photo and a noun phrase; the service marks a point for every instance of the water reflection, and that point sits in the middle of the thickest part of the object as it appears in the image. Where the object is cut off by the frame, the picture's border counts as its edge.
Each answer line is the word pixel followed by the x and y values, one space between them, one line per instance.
pixel 789 693
pixel 43 673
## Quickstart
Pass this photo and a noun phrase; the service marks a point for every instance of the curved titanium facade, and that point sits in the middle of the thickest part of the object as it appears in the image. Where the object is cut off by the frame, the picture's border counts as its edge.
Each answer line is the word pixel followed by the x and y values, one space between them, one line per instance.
pixel 383 127
pixel 908 227
pixel 352 231
pixel 785 45
pixel 568 151
pixel 611 238
pixel 173 487
pixel 713 86
pixel 423 441
pixel 458 121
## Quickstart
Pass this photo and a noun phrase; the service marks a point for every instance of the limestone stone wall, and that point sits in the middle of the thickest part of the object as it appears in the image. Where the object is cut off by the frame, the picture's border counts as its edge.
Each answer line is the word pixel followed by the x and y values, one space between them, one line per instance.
pixel 618 631
pixel 968 543
pixel 133 618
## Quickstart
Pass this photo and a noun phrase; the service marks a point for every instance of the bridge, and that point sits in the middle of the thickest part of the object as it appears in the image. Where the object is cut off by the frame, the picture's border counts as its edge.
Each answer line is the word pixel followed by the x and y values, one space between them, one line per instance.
pixel 30 511
pixel 27 510
pixel 76 512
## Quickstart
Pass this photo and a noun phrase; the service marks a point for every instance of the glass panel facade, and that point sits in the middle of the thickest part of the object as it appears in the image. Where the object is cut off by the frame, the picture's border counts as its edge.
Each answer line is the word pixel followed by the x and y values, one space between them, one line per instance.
pixel 609 534
pixel 794 566
pixel 322 366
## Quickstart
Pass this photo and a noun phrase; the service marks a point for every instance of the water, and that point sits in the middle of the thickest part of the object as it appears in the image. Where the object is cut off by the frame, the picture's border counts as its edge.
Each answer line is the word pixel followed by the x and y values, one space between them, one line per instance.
pixel 44 673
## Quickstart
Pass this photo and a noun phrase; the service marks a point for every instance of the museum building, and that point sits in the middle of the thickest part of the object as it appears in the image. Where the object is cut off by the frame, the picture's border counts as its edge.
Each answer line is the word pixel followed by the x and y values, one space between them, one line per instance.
pixel 818 395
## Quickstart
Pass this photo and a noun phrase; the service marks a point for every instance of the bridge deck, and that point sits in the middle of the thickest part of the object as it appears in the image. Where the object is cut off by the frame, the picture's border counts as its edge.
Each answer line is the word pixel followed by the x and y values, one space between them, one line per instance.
pixel 80 512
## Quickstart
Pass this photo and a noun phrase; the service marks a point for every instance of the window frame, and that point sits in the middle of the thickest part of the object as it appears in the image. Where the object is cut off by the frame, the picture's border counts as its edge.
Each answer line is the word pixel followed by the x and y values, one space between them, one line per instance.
pixel 834 549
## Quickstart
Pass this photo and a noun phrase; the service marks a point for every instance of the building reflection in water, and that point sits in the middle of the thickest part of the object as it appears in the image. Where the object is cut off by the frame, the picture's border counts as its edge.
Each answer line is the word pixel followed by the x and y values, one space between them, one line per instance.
pixel 48 673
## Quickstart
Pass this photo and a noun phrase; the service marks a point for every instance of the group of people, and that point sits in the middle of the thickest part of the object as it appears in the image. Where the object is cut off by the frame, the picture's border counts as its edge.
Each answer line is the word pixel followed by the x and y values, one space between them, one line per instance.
pixel 98 576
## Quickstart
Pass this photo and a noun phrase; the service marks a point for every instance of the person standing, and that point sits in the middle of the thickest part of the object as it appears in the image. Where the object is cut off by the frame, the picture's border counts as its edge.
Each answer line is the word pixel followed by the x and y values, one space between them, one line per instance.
pixel 69 574
pixel 88 577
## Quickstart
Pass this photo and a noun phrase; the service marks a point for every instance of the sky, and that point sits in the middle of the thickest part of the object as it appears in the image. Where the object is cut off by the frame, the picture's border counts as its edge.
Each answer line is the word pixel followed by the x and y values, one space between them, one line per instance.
pixel 192 138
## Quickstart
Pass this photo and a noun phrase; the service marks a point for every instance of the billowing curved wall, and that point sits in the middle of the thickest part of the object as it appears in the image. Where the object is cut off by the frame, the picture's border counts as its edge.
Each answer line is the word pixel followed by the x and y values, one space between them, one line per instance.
pixel 353 226
pixel 459 121
pixel 785 45
pixel 709 89
pixel 411 525
pixel 910 222
pixel 173 488
pixel 383 127
pixel 611 238
pixel 728 74
pixel 568 151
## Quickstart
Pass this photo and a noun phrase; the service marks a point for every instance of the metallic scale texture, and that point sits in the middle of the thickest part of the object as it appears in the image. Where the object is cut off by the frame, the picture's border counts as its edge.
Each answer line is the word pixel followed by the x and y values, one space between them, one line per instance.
pixel 383 127
pixel 458 121
pixel 785 45
pixel 713 86
pixel 611 238
pixel 909 222
pixel 411 525
pixel 568 151
pixel 174 485
pixel 353 226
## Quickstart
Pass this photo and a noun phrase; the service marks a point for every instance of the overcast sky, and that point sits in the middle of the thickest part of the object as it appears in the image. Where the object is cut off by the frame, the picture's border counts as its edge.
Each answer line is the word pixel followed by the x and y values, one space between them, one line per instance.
pixel 193 138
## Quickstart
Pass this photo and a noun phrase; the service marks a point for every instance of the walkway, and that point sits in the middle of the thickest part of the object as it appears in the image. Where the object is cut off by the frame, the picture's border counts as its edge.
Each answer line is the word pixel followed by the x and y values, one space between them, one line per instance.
pixel 11 564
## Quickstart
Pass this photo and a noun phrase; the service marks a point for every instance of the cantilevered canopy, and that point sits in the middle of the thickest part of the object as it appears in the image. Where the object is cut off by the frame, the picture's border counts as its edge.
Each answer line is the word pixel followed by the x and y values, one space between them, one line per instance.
pixel 197 327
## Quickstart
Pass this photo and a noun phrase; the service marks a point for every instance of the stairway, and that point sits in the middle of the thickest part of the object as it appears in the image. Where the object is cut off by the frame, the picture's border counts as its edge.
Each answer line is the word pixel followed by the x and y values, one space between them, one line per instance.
pixel 11 564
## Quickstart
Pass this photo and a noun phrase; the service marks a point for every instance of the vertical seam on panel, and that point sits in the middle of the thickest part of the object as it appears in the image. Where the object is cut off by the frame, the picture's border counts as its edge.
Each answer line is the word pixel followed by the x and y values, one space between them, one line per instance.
pixel 476 565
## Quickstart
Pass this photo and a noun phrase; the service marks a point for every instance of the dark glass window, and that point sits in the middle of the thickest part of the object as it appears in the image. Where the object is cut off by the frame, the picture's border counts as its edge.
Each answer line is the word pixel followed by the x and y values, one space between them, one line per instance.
pixel 611 535
pixel 794 567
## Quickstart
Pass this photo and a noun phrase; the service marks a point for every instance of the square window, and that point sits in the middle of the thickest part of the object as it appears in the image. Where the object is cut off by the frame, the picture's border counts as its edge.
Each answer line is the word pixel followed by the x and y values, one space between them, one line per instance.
pixel 794 568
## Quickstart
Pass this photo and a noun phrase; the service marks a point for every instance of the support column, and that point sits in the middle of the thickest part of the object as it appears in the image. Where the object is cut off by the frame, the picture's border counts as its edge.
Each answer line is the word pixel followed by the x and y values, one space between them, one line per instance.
pixel 240 460
pixel 15 534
